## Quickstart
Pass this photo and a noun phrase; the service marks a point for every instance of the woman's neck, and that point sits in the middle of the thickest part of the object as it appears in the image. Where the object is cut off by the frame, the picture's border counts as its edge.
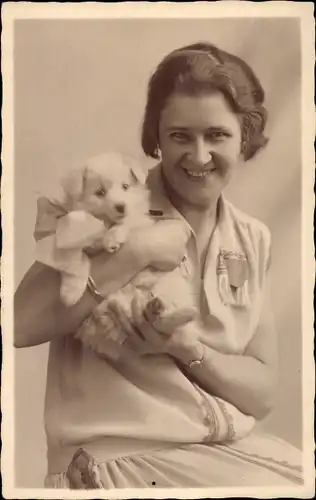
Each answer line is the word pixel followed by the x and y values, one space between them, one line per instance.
pixel 203 222
pixel 199 217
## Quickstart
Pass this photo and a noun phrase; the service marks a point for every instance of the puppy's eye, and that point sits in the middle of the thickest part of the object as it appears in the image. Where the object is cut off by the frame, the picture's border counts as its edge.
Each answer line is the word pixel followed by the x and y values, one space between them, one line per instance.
pixel 100 193
pixel 125 186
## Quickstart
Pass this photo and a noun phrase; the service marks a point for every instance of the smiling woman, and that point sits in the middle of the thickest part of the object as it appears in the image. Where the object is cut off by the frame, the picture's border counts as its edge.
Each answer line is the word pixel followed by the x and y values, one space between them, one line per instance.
pixel 199 69
pixel 181 406
pixel 200 140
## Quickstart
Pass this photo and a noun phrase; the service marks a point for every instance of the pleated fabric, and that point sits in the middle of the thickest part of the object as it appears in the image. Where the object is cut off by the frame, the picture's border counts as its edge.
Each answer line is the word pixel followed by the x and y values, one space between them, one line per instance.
pixel 255 461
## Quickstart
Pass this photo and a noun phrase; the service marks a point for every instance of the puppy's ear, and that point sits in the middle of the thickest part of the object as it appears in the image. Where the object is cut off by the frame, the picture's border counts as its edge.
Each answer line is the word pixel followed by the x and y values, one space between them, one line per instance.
pixel 73 183
pixel 138 172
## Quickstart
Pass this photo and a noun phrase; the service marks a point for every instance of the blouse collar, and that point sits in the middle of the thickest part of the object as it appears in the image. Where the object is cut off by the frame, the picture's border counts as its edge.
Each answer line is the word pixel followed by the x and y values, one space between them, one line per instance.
pixel 225 232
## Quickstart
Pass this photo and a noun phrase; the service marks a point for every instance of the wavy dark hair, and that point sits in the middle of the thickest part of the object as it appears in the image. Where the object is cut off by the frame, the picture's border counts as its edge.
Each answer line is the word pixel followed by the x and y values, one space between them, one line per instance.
pixel 201 68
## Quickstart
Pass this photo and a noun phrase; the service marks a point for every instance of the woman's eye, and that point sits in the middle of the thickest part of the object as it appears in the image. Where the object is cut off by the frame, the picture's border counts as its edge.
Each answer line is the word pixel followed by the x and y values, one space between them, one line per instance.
pixel 100 193
pixel 217 134
pixel 180 137
pixel 125 186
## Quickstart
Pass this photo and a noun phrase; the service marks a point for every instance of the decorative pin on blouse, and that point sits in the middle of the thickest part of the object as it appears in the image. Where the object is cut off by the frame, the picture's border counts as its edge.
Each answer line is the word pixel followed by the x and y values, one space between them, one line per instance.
pixel 233 274
pixel 156 213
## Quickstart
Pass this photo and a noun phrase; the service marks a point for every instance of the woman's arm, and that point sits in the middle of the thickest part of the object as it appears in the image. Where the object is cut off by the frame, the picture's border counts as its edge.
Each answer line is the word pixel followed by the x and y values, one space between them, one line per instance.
pixel 248 381
pixel 40 315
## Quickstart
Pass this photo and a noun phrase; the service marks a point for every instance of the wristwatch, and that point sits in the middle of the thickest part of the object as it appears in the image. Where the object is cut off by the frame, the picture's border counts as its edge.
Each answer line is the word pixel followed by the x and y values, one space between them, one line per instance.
pixel 94 290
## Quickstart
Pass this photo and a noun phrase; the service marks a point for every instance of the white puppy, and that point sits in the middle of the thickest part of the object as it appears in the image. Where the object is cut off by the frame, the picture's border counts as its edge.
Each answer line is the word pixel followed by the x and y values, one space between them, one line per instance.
pixel 112 189
pixel 101 203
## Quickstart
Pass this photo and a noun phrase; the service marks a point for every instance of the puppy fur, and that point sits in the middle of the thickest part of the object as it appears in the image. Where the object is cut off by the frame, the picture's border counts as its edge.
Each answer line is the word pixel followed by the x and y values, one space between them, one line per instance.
pixel 110 189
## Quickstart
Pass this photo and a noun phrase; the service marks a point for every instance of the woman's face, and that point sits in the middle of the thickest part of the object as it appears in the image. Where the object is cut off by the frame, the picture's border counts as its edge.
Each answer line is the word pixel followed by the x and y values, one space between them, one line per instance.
pixel 200 143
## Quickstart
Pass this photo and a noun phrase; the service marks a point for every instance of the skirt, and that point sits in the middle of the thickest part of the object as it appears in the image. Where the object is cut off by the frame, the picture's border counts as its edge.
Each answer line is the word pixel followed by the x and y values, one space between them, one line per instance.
pixel 255 461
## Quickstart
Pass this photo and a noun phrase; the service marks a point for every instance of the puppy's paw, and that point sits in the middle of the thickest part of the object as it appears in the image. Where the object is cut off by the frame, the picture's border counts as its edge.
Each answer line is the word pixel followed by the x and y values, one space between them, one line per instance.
pixel 153 309
pixel 111 246
pixel 71 290
pixel 114 239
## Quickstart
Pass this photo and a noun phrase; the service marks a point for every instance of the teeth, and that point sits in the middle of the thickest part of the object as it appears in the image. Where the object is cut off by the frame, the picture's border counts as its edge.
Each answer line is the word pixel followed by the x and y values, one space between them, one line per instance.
pixel 197 174
pixel 193 173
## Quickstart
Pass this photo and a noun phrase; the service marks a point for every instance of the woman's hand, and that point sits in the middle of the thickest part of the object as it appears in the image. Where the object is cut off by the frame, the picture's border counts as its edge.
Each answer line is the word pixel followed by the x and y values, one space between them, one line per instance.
pixel 145 337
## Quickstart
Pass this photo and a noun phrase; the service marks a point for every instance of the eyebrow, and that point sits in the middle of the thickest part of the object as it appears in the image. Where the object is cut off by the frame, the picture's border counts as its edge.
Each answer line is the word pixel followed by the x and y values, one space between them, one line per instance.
pixel 188 129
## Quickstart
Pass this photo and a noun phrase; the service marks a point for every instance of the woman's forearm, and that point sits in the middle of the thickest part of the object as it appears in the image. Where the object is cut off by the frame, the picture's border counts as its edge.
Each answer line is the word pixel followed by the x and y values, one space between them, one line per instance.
pixel 244 381
pixel 39 313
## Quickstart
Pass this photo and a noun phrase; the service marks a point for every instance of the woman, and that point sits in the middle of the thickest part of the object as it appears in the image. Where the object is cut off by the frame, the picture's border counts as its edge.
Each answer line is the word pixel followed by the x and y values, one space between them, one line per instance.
pixel 145 421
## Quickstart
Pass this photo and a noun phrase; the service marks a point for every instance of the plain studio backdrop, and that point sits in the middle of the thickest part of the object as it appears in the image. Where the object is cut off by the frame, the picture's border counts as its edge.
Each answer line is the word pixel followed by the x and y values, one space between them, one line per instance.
pixel 80 89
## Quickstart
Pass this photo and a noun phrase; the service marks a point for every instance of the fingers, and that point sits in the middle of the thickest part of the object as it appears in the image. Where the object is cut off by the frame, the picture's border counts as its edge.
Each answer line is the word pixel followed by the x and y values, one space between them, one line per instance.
pixel 169 322
pixel 148 330
pixel 142 334
pixel 138 306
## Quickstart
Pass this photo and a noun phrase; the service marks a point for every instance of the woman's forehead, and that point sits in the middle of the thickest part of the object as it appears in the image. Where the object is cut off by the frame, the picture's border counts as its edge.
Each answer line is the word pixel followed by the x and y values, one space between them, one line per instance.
pixel 198 111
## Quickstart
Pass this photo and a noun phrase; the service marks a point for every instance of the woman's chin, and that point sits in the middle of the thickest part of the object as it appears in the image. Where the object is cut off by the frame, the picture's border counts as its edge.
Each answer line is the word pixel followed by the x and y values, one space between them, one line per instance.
pixel 201 197
pixel 201 202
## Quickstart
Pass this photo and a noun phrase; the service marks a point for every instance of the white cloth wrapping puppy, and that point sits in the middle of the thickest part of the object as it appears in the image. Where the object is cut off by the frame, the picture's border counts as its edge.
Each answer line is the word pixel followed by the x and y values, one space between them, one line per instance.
pixel 63 250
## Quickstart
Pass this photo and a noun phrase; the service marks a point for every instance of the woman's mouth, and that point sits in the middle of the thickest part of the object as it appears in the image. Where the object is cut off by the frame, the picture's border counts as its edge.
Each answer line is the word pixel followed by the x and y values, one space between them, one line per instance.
pixel 198 174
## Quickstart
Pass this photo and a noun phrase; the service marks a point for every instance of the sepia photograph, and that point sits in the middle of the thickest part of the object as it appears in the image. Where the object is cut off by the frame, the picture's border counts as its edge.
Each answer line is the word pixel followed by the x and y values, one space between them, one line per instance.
pixel 157 211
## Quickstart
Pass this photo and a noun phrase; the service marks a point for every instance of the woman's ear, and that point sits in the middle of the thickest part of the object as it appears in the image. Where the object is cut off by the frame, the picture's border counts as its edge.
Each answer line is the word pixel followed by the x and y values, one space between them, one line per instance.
pixel 73 183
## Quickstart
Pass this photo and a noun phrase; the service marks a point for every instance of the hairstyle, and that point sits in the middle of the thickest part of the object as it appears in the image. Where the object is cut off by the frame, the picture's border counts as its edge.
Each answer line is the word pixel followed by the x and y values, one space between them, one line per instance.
pixel 201 68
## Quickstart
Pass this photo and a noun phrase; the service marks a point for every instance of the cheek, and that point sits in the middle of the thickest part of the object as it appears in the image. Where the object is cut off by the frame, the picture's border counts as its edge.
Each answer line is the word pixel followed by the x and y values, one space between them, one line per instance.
pixel 171 152
pixel 226 162
pixel 229 152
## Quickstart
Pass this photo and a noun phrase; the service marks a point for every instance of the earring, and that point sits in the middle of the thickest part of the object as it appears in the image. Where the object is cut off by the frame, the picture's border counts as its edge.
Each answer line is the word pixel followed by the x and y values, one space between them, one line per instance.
pixel 158 152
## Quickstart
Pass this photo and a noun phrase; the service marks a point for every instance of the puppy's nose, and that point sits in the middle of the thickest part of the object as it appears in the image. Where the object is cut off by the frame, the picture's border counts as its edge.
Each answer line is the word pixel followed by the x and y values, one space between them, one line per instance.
pixel 120 208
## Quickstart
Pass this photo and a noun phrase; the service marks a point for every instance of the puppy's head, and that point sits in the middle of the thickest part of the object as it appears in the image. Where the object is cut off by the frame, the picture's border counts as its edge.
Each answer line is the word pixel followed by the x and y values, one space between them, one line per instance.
pixel 108 187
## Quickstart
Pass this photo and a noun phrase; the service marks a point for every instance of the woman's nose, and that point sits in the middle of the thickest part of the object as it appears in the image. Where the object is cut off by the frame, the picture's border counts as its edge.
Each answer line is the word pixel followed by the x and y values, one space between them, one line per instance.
pixel 200 153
